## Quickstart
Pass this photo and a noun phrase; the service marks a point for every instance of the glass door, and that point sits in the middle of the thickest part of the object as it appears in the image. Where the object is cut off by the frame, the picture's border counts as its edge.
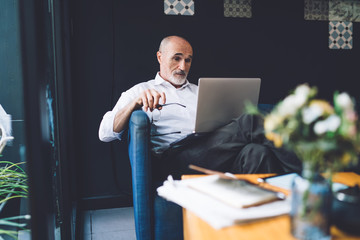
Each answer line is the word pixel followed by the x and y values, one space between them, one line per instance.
pixel 47 108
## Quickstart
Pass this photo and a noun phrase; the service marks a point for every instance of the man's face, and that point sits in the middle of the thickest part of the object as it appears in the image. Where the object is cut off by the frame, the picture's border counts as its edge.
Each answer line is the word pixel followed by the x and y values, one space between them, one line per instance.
pixel 175 61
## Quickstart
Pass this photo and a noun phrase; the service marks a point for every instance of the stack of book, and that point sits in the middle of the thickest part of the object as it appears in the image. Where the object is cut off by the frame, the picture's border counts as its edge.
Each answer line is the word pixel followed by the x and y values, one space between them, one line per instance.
pixel 224 201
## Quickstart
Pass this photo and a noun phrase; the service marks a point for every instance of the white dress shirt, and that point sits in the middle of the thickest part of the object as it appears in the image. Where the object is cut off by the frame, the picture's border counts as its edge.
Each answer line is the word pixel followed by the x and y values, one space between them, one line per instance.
pixel 173 122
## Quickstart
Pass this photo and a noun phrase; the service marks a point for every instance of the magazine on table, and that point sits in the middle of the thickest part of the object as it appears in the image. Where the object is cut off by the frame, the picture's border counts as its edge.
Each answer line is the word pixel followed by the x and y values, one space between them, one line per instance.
pixel 235 192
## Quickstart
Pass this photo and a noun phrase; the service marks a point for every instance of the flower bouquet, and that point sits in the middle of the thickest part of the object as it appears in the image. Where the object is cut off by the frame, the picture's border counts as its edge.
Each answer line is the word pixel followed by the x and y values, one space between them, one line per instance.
pixel 326 138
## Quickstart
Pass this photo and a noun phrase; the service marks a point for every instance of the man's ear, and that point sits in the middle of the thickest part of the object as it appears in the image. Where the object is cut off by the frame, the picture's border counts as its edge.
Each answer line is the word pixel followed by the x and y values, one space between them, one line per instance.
pixel 158 55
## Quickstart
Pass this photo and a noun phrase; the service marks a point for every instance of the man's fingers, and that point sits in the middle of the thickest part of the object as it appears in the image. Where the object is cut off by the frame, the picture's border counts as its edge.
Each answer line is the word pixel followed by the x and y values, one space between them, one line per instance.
pixel 163 97
pixel 150 99
pixel 144 102
pixel 156 96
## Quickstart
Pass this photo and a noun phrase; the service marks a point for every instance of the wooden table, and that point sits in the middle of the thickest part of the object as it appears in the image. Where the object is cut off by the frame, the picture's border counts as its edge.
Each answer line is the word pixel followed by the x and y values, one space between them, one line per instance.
pixel 274 228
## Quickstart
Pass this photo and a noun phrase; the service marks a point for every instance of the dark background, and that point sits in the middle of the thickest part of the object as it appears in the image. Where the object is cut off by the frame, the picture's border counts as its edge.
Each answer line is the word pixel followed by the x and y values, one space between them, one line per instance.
pixel 114 44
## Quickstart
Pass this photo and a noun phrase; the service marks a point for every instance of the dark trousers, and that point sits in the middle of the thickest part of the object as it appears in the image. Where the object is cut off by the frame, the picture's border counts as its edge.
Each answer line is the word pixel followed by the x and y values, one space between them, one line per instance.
pixel 238 147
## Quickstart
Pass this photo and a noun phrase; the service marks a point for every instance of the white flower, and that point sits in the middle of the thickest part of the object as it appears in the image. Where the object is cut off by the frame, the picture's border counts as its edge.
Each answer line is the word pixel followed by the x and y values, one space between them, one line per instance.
pixel 302 90
pixel 291 104
pixel 272 121
pixel 331 124
pixel 344 101
pixel 311 113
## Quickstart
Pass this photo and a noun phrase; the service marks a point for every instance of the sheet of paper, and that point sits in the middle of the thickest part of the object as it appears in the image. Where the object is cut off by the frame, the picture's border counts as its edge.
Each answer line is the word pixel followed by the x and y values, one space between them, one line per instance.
pixel 215 212
pixel 283 181
pixel 235 192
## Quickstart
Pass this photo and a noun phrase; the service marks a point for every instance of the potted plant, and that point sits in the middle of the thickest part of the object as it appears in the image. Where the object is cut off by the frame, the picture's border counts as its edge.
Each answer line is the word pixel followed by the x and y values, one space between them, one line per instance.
pixel 13 184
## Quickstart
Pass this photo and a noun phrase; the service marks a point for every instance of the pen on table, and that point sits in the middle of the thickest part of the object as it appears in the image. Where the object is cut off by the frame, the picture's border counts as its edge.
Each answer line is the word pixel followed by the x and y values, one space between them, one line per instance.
pixel 208 171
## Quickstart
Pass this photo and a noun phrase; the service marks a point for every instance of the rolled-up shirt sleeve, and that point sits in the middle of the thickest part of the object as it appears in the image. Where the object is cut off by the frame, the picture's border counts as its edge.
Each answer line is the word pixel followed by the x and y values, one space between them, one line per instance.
pixel 106 133
pixel 106 129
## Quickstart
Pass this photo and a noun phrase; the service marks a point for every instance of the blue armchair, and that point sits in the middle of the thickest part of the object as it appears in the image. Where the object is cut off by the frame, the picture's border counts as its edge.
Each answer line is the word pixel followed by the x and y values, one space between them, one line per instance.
pixel 155 218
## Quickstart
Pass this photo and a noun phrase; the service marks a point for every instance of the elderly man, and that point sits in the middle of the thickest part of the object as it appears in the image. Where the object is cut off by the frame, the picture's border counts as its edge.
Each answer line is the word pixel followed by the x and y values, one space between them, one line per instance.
pixel 170 102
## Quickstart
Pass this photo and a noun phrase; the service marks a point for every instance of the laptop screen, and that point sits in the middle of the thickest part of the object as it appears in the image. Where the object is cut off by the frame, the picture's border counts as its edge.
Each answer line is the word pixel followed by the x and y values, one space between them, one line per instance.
pixel 222 99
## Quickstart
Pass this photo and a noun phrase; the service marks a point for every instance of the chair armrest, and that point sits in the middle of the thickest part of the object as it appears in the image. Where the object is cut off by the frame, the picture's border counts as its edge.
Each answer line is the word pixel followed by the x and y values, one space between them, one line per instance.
pixel 139 154
pixel 139 137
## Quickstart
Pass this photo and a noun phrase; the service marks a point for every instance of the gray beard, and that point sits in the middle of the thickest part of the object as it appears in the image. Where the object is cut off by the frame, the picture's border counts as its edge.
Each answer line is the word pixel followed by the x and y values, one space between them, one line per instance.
pixel 178 81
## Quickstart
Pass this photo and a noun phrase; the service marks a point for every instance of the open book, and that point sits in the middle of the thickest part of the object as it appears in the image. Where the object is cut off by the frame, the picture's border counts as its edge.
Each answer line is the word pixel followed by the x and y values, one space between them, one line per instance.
pixel 234 192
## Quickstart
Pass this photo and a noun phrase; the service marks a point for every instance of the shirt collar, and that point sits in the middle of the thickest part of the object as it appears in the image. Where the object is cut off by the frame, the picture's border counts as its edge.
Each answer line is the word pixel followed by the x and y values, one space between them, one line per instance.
pixel 159 80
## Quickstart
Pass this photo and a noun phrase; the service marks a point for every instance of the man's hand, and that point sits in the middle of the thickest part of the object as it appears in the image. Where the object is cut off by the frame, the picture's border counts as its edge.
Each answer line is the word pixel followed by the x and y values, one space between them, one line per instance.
pixel 149 99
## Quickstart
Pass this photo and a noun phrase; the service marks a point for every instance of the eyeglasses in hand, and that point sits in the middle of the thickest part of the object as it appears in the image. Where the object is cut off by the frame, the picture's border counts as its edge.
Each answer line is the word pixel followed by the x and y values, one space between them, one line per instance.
pixel 156 114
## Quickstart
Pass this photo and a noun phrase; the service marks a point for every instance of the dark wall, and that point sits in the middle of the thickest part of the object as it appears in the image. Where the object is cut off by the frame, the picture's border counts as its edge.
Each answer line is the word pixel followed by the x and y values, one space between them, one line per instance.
pixel 114 46
pixel 103 168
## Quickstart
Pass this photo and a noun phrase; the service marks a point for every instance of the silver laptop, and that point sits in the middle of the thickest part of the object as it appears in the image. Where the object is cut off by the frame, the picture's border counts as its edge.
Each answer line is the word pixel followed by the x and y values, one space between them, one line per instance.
pixel 222 99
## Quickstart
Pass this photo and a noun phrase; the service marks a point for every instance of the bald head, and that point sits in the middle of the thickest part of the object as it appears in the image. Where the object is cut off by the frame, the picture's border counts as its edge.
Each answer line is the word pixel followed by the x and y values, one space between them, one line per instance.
pixel 164 43
pixel 175 57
